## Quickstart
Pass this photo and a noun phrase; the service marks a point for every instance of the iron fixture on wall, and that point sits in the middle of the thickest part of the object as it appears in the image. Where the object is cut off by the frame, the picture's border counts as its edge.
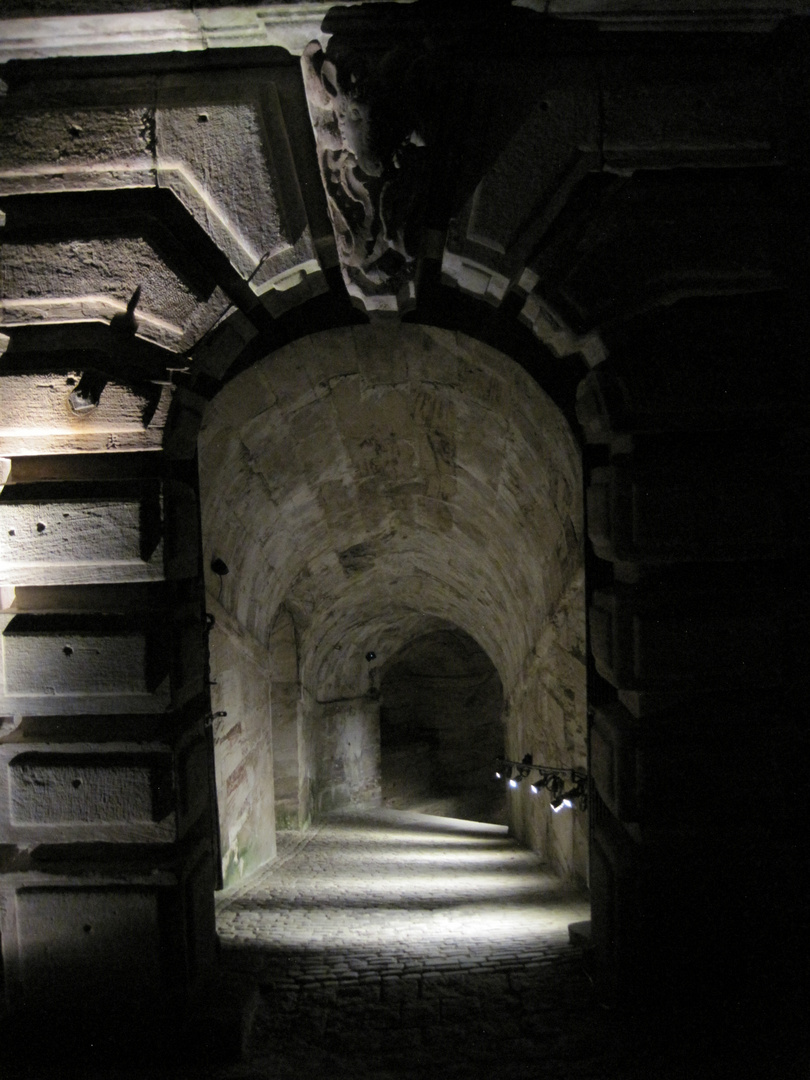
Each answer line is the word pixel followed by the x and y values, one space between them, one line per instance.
pixel 567 787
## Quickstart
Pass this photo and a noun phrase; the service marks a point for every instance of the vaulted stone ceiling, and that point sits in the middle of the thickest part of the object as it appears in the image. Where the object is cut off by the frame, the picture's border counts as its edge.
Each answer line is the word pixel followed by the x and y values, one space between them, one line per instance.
pixel 383 483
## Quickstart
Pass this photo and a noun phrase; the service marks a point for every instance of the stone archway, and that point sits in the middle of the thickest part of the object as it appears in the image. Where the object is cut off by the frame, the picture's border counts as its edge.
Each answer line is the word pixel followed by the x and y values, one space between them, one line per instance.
pixel 441 727
pixel 378 485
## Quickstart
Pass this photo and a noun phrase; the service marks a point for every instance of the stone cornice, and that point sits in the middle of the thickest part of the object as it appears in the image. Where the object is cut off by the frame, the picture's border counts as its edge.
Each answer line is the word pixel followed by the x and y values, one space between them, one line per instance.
pixel 292 26
pixel 171 30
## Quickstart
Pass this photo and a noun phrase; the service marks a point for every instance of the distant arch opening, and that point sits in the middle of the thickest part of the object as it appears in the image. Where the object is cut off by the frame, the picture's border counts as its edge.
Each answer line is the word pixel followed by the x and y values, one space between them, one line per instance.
pixel 441 728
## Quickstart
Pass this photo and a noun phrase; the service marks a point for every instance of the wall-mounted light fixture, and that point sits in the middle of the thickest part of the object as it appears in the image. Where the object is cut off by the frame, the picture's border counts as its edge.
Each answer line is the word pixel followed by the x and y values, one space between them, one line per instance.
pixel 567 787
pixel 220 568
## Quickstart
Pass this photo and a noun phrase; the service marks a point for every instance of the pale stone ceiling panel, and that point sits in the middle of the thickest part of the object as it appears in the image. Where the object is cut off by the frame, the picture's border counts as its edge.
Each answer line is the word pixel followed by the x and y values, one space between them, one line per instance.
pixel 383 482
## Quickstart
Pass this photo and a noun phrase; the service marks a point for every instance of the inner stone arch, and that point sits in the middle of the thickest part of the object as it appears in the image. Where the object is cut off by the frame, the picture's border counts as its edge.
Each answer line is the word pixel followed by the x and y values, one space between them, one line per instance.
pixel 441 727
pixel 366 488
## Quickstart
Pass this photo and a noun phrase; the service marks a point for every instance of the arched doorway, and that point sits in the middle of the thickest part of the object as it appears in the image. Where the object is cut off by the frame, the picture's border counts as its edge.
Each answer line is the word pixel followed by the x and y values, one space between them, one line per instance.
pixel 369 489
pixel 441 727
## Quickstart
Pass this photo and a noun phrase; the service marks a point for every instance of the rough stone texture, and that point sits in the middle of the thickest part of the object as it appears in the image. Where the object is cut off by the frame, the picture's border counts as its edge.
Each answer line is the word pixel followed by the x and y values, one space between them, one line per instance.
pixel 55 140
pixel 442 728
pixel 132 932
pixel 222 149
pixel 48 541
pixel 292 769
pixel 243 747
pixel 91 941
pixel 347 753
pixel 118 27
pixel 217 142
pixel 548 720
pixel 105 279
pixel 368 472
pixel 93 664
pixel 36 417
pixel 101 784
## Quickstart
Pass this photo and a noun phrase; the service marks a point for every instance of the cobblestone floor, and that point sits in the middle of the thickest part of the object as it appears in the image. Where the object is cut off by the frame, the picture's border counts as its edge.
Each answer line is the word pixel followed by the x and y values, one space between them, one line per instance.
pixel 397 946
pixel 391 944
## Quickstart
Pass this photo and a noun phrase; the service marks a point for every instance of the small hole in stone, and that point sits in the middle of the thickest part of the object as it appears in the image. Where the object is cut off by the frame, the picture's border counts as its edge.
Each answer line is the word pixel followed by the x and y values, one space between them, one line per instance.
pixel 12 532
pixel 76 783
pixel 202 118
pixel 87 928
pixel 68 651
pixel 70 382
pixel 40 526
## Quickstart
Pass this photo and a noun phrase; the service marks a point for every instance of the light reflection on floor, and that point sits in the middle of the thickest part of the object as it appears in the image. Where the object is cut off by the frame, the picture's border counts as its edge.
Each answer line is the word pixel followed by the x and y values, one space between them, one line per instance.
pixel 395 886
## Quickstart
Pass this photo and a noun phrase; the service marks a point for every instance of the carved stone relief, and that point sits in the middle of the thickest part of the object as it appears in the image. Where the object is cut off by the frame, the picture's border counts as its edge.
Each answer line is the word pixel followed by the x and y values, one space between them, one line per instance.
pixel 372 144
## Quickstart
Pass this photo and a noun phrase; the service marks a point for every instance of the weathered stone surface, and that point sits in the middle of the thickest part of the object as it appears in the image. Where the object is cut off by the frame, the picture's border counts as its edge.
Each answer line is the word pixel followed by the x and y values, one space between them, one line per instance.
pixel 364 479
pixel 243 747
pixel 52 541
pixel 547 718
pixel 55 139
pixel 91 795
pixel 55 664
pixel 348 753
pixel 127 32
pixel 391 483
pixel 538 166
pixel 222 148
pixel 115 790
pixel 104 279
pixel 36 416
pixel 108 936
pixel 130 933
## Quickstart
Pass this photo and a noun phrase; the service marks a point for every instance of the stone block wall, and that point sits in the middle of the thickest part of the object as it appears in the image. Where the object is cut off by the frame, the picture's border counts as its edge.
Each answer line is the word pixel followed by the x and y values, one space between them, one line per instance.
pixel 346 737
pixel 106 866
pixel 243 746
pixel 548 719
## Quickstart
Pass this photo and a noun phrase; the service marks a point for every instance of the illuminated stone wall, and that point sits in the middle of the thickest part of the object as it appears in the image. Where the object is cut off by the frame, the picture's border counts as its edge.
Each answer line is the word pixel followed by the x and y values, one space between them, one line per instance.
pixel 383 485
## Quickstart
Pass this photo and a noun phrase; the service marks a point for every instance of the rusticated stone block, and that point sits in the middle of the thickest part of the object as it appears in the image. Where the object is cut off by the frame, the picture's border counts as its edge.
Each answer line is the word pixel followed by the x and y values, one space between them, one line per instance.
pixel 123 280
pixel 222 149
pixel 102 785
pixel 107 936
pixel 660 639
pixel 679 514
pixel 104 796
pixel 672 110
pixel 51 538
pixel 54 139
pixel 680 772
pixel 84 663
pixel 36 417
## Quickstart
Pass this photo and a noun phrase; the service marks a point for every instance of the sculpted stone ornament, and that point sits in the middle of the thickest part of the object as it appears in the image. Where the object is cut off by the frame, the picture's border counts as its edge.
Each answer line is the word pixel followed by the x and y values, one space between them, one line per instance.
pixel 371 144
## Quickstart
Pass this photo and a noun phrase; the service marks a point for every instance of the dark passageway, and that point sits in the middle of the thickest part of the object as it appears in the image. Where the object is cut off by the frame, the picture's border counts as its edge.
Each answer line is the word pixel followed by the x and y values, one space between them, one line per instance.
pixel 441 728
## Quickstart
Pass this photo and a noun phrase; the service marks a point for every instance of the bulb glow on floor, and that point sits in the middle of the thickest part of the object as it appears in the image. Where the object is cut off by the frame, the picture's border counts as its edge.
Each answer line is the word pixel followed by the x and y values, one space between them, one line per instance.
pixel 437 892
